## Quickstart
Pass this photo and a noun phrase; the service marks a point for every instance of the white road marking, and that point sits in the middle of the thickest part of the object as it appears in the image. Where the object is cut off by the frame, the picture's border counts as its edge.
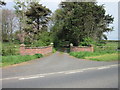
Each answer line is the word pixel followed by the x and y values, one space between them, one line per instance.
pixel 69 72
pixel 72 72
pixel 61 72
pixel 31 77
pixel 114 65
pixel 9 78
pixel 103 67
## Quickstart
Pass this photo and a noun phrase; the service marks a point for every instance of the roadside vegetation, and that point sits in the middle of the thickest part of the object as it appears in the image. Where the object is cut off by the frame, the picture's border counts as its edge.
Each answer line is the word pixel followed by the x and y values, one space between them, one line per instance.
pixel 105 57
pixel 27 24
pixel 10 49
pixel 10 55
pixel 97 56
pixel 106 52
pixel 15 59
pixel 54 50
pixel 35 25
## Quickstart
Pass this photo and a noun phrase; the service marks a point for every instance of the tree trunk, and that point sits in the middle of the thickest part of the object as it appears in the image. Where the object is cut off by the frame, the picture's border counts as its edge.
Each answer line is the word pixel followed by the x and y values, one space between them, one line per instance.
pixel 38 22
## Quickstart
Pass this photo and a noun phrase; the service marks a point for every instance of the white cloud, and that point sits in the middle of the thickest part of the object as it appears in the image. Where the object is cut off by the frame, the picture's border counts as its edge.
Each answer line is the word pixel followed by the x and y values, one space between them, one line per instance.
pixel 67 0
pixel 39 0
pixel 50 0
pixel 108 0
pixel 8 0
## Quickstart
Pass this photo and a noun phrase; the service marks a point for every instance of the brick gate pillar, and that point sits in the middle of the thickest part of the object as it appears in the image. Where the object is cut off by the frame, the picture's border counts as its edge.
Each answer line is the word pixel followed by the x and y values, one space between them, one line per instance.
pixel 22 49
pixel 92 49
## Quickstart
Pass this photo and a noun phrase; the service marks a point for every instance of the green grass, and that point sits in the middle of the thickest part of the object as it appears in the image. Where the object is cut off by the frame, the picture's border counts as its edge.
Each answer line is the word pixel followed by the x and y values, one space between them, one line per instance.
pixel 112 44
pixel 101 52
pixel 11 55
pixel 10 52
pixel 98 56
pixel 106 57
pixel 54 50
pixel 86 54
pixel 109 46
pixel 15 59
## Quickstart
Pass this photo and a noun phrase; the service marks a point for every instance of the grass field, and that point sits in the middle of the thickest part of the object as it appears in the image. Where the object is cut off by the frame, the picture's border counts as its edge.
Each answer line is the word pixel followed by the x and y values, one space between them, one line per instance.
pixel 109 46
pixel 112 44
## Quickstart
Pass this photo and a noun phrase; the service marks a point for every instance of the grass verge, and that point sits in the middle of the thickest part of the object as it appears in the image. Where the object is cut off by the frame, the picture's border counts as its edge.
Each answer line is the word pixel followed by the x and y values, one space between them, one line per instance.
pixel 106 57
pixel 15 59
pixel 98 56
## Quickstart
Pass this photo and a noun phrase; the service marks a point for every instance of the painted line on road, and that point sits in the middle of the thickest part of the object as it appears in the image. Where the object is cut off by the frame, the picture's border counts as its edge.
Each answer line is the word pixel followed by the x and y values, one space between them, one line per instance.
pixel 103 68
pixel 72 72
pixel 31 77
pixel 61 72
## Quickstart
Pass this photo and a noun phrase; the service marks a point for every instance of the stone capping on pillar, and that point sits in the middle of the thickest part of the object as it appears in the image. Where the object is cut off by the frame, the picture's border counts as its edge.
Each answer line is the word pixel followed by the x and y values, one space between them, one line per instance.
pixel 22 45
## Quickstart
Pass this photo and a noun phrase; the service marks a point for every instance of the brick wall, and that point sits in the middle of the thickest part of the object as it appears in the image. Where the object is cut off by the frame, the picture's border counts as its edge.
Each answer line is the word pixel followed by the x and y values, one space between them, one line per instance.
pixel 78 49
pixel 34 50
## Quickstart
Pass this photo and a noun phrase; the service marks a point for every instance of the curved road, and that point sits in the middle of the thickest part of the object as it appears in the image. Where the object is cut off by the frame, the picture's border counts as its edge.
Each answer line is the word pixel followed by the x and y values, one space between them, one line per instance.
pixel 61 71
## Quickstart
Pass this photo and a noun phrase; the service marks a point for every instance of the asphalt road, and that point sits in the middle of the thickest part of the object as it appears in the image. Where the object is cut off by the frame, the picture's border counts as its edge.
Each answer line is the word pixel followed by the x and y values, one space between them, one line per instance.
pixel 61 71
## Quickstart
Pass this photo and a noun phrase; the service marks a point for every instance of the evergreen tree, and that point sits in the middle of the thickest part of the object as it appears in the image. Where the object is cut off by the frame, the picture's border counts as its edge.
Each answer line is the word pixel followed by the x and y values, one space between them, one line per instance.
pixel 37 14
pixel 75 21
pixel 37 20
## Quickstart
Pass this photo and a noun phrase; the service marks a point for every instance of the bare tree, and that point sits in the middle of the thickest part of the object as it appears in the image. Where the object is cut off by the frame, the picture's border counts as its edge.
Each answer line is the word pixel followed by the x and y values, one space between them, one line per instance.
pixel 8 24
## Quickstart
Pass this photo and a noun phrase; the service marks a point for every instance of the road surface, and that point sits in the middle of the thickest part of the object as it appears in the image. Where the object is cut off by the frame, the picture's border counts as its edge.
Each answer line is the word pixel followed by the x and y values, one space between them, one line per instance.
pixel 60 70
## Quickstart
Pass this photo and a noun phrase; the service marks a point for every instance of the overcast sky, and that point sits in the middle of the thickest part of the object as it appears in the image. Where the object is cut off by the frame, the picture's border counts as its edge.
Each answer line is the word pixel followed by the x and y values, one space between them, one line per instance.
pixel 111 7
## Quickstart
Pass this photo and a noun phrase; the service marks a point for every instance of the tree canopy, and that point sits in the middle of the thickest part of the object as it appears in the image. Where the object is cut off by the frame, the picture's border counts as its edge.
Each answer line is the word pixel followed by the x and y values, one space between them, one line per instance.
pixel 76 21
pixel 80 23
pixel 38 15
pixel 33 19
pixel 2 3
pixel 37 19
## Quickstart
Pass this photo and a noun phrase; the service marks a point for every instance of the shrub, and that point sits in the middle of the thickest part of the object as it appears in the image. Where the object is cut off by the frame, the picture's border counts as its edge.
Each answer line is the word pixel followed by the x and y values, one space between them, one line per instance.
pixel 44 39
pixel 9 51
pixel 38 55
pixel 39 43
pixel 87 41
pixel 81 54
pixel 100 43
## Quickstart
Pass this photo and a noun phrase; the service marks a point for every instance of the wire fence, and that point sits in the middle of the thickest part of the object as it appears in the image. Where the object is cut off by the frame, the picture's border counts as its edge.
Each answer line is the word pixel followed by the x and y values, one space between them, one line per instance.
pixel 106 48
